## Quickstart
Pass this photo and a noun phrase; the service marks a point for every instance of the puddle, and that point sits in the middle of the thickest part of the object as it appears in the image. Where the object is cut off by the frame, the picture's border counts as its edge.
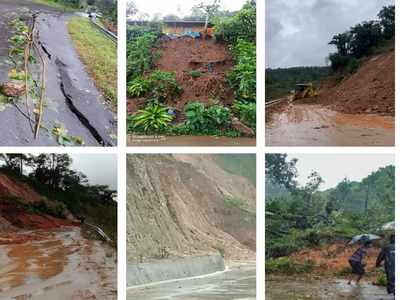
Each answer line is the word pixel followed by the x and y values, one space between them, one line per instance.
pixel 315 125
pixel 292 288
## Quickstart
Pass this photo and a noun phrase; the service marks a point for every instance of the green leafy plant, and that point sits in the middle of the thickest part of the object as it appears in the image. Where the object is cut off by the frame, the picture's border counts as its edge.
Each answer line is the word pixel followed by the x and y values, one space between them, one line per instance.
pixel 154 118
pixel 243 76
pixel 196 73
pixel 138 87
pixel 200 118
pixel 247 112
pixel 163 85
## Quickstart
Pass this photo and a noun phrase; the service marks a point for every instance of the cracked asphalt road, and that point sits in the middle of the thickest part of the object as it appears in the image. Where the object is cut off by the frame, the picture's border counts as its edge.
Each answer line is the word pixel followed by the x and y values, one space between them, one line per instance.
pixel 72 98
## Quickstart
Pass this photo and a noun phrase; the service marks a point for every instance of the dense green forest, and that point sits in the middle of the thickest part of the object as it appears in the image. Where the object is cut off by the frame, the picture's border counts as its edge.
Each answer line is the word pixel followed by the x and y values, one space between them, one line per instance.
pixel 298 217
pixel 280 82
pixel 51 175
pixel 352 48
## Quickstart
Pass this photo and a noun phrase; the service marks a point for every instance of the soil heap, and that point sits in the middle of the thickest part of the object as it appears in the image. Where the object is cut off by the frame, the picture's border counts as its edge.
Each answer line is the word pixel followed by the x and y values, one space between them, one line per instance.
pixel 369 90
pixel 182 205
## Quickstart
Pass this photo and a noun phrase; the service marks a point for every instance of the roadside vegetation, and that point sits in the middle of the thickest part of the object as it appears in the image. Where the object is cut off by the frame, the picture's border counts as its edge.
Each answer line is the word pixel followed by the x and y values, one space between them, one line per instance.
pixel 353 47
pixel 101 61
pixel 158 89
pixel 300 218
pixel 63 188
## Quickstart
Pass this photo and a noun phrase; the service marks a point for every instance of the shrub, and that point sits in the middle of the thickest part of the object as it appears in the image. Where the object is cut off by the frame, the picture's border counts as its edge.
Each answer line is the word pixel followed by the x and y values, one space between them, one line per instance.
pixel 247 112
pixel 163 85
pixel 54 208
pixel 195 73
pixel 243 76
pixel 138 87
pixel 287 265
pixel 139 55
pixel 240 26
pixel 206 119
pixel 155 118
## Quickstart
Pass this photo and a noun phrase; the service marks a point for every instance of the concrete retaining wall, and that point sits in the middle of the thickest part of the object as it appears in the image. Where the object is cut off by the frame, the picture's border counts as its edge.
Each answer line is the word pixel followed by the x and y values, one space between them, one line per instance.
pixel 169 269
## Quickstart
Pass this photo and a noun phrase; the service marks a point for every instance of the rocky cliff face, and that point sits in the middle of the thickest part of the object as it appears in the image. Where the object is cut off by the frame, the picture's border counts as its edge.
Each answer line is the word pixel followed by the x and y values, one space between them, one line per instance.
pixel 181 205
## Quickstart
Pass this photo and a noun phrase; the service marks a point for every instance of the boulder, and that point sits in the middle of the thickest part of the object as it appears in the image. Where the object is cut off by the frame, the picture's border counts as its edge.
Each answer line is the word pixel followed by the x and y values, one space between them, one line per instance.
pixel 242 128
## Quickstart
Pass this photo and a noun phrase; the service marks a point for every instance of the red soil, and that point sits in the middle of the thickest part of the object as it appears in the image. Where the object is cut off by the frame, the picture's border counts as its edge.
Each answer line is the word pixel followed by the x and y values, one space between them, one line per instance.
pixel 11 188
pixel 369 90
pixel 333 258
pixel 185 54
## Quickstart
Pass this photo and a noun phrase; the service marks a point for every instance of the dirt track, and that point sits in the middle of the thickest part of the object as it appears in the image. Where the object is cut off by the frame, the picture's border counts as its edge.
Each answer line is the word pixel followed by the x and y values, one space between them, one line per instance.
pixel 72 98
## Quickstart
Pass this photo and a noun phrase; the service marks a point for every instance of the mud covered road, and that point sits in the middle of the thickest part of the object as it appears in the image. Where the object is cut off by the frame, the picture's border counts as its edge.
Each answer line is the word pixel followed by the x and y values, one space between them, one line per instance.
pixel 237 283
pixel 56 264
pixel 72 99
pixel 317 125
pixel 289 288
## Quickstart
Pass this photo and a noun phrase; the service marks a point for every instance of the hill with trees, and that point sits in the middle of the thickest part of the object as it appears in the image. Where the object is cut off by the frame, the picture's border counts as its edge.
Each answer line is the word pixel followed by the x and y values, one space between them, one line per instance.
pixel 303 216
pixel 63 190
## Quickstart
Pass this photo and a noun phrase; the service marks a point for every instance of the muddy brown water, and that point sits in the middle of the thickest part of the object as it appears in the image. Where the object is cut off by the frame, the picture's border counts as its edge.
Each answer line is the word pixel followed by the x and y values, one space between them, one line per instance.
pixel 202 141
pixel 297 288
pixel 316 125
pixel 57 264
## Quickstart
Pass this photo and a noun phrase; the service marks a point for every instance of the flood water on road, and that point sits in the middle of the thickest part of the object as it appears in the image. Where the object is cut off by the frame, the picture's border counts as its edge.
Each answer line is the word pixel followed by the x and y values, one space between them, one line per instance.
pixel 55 264
pixel 316 125
pixel 292 288
pixel 237 283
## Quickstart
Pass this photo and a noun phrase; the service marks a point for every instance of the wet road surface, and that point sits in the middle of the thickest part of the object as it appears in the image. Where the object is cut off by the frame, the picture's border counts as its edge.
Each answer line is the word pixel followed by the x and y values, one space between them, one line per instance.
pixel 290 288
pixel 72 99
pixel 315 125
pixel 201 141
pixel 238 283
pixel 56 264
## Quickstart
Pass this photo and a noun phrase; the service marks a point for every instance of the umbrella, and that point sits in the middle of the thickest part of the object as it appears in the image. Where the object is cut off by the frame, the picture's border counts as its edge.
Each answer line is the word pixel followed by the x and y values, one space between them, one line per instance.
pixel 388 226
pixel 364 238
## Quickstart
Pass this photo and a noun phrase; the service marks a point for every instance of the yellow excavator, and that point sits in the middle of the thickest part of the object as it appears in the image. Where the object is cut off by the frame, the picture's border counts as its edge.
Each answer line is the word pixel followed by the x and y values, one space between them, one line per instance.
pixel 304 90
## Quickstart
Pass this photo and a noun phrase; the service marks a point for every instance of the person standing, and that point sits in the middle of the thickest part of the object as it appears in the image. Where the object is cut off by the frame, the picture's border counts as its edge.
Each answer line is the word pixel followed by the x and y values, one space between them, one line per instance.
pixel 356 261
pixel 388 256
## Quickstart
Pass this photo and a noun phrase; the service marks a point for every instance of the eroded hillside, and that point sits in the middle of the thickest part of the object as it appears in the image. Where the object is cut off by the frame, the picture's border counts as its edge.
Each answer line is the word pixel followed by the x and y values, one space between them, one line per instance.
pixel 182 205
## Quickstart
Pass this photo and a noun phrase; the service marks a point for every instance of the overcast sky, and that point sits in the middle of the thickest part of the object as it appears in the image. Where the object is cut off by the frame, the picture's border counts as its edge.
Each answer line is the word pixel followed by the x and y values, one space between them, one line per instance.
pixel 100 168
pixel 298 31
pixel 183 6
pixel 333 168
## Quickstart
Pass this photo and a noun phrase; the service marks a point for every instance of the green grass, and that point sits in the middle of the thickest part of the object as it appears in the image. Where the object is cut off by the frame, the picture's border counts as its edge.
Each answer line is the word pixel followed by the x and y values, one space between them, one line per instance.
pixel 98 53
pixel 56 5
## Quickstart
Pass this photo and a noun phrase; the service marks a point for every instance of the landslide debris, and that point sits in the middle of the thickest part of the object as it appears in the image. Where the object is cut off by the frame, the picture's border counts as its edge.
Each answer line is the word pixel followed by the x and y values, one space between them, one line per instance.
pixel 183 55
pixel 181 205
pixel 369 90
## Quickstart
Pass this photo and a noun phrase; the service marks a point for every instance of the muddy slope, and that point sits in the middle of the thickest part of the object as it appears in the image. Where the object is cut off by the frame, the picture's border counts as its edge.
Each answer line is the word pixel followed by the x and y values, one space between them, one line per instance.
pixel 182 205
pixel 183 55
pixel 369 90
